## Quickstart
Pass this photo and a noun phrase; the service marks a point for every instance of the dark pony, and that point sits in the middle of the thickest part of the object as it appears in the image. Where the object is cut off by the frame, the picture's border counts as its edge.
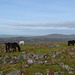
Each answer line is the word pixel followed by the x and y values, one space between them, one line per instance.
pixel 13 46
pixel 71 42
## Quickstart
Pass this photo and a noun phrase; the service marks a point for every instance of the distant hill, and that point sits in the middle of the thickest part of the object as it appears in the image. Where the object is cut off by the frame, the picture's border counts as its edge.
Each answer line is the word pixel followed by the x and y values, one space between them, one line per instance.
pixel 60 36
pixel 7 36
pixel 45 38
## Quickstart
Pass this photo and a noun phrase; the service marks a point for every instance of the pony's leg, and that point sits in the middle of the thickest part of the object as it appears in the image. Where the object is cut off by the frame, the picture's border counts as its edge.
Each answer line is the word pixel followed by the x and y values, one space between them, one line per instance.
pixel 15 49
pixel 68 44
pixel 9 49
pixel 73 44
pixel 6 49
pixel 19 49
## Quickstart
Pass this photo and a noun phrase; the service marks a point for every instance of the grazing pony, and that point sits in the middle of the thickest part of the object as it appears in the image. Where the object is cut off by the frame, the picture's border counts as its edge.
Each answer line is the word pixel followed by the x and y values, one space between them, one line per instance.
pixel 71 42
pixel 13 46
pixel 21 43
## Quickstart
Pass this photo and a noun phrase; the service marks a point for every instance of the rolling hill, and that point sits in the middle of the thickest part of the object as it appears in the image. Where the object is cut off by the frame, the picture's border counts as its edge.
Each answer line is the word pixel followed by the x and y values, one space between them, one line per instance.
pixel 31 39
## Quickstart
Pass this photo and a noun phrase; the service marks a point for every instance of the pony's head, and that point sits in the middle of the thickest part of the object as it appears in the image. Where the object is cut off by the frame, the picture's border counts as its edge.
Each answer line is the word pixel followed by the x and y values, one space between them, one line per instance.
pixel 5 43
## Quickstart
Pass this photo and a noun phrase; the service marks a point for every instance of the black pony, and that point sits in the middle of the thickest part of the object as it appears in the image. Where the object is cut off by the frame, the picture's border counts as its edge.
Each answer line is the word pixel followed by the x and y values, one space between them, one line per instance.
pixel 13 46
pixel 71 42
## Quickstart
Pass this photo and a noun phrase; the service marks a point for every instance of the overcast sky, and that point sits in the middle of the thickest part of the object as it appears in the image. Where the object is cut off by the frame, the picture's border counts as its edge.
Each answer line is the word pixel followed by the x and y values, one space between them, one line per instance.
pixel 37 17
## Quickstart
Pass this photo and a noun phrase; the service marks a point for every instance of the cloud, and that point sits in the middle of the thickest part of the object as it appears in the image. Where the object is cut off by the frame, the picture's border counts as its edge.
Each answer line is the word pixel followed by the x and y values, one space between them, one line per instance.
pixel 64 24
pixel 32 28
pixel 7 20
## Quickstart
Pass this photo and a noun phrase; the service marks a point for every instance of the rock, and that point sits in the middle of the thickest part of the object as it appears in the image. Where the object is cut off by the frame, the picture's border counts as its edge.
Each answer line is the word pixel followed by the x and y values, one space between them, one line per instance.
pixel 1 58
pixel 15 58
pixel 53 53
pixel 59 59
pixel 61 64
pixel 23 52
pixel 48 63
pixel 18 57
pixel 11 56
pixel 65 66
pixel 68 50
pixel 6 57
pixel 4 51
pixel 25 56
pixel 1 73
pixel 46 56
pixel 57 45
pixel 25 66
pixel 45 62
pixel 62 57
pixel 51 46
pixel 41 62
pixel 36 57
pixel 31 54
pixel 62 73
pixel 53 60
pixel 55 73
pixel 71 69
pixel 19 72
pixel 4 62
pixel 38 73
pixel 36 62
pixel 72 53
pixel 70 72
pixel 57 53
pixel 11 62
pixel 53 56
pixel 30 60
pixel 42 57
pixel 47 71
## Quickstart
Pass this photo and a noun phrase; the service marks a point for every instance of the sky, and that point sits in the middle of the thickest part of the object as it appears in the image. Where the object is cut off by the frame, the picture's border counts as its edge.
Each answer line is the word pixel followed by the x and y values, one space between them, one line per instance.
pixel 37 17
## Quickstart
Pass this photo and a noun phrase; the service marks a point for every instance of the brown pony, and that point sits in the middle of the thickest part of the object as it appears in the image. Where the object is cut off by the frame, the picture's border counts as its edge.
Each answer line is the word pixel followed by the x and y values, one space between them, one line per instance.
pixel 13 46
pixel 71 42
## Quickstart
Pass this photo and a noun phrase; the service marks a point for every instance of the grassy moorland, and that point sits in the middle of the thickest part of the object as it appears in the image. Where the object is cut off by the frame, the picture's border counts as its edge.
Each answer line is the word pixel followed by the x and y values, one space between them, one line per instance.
pixel 36 48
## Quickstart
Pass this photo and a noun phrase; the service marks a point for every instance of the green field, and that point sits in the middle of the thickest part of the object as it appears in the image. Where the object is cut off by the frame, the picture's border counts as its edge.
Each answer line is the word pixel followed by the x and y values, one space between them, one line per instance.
pixel 36 48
